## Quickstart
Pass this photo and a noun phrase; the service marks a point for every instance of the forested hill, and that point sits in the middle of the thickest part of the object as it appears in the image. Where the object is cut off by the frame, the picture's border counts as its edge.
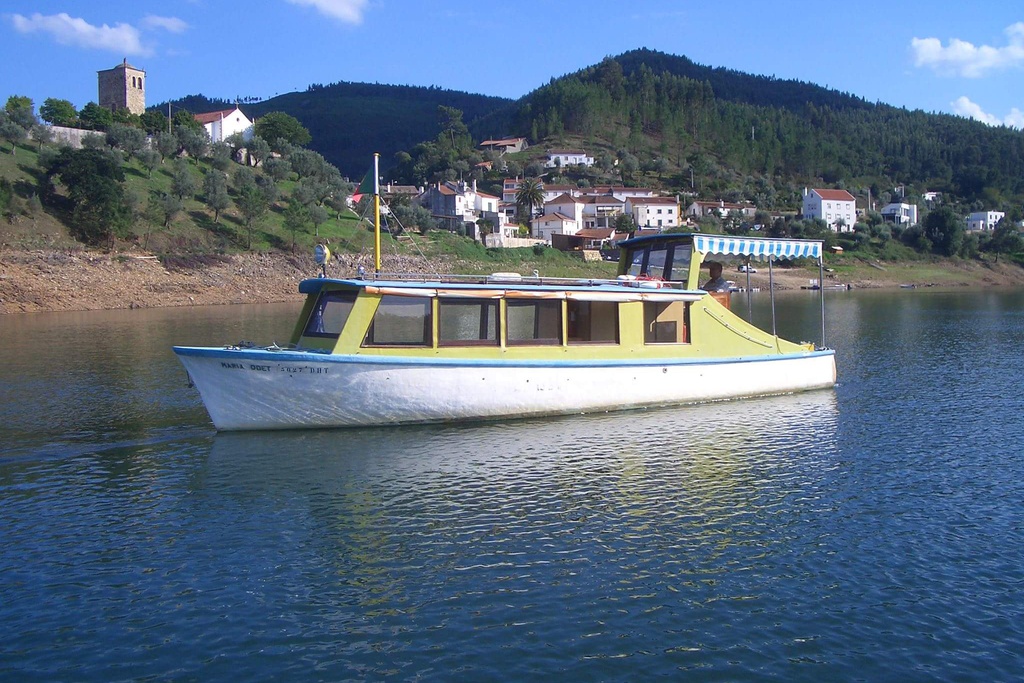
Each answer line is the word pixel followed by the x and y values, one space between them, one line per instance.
pixel 350 121
pixel 752 137
pixel 736 130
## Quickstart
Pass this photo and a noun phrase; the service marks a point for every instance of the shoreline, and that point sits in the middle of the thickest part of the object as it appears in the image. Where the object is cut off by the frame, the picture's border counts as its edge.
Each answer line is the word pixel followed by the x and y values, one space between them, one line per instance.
pixel 47 280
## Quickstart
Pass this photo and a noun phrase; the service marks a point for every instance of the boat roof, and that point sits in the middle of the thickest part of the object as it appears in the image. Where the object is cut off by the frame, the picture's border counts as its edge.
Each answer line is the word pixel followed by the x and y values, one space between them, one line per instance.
pixel 755 247
pixel 498 283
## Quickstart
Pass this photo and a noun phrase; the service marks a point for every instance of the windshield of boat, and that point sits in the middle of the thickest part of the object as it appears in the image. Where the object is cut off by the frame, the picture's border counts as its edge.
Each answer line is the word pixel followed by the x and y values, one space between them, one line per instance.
pixel 660 260
pixel 329 314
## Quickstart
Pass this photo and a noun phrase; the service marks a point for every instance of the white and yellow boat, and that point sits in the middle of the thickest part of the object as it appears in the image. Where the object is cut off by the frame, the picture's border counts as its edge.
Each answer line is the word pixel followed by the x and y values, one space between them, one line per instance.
pixel 397 350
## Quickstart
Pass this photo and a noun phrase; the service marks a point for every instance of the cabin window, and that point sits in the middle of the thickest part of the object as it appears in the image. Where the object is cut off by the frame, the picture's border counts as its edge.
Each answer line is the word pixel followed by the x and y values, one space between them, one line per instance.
pixel 593 322
pixel 400 321
pixel 534 322
pixel 329 314
pixel 669 261
pixel 666 322
pixel 467 322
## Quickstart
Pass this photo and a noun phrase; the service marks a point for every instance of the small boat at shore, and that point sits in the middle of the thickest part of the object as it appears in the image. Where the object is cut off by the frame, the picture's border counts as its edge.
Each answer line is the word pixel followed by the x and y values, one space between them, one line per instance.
pixel 400 349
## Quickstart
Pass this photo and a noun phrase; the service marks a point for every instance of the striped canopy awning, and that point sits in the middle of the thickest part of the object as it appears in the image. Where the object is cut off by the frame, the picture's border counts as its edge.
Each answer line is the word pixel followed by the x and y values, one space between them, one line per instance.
pixel 756 247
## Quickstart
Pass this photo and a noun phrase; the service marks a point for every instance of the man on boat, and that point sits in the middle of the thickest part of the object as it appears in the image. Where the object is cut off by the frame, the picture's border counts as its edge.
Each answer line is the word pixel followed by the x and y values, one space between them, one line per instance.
pixel 717 283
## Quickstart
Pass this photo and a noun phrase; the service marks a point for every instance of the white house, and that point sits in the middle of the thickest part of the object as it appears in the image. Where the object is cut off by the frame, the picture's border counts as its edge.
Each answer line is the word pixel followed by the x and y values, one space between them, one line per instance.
pixel 837 208
pixel 568 157
pixel 699 209
pixel 221 125
pixel 459 203
pixel 900 213
pixel 654 212
pixel 984 220
pixel 554 224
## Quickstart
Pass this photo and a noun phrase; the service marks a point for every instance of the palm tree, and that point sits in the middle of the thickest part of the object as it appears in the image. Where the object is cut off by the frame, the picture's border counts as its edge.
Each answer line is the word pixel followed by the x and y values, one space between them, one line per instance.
pixel 529 195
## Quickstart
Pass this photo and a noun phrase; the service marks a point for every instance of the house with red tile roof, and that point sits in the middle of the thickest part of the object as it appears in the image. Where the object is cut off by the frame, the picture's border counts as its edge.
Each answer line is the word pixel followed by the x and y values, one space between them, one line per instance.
pixel 837 208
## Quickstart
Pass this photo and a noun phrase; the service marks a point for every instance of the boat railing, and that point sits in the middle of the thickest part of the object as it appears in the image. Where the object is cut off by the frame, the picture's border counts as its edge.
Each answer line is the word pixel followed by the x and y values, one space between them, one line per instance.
pixel 535 279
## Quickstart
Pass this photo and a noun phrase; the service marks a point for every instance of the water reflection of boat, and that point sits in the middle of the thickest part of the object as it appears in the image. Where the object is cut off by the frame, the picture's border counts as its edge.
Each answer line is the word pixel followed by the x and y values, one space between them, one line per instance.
pixel 415 350
pixel 724 435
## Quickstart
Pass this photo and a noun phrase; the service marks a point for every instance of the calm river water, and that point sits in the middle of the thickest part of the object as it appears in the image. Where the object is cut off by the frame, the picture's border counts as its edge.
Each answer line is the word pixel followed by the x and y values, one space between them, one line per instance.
pixel 874 532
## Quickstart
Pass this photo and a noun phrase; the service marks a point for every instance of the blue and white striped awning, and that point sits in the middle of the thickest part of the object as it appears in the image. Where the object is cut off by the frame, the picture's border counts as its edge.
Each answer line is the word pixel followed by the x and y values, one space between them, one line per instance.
pixel 756 247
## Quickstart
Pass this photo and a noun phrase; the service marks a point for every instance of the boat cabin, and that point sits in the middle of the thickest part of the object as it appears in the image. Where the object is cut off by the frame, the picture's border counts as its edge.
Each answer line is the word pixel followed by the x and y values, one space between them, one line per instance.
pixel 653 309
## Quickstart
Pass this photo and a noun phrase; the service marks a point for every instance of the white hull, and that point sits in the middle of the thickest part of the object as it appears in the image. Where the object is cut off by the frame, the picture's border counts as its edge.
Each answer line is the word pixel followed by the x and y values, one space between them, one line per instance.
pixel 257 389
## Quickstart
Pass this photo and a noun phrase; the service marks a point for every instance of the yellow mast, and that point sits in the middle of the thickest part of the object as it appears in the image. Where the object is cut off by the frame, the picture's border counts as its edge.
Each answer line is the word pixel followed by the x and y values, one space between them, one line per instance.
pixel 376 213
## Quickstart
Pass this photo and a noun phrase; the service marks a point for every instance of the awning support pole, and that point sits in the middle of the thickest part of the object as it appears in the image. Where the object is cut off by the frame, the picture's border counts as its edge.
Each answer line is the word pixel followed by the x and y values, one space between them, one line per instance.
pixel 821 290
pixel 771 289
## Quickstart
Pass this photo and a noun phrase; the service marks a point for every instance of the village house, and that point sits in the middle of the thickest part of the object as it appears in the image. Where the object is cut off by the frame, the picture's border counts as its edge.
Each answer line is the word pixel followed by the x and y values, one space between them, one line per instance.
pixel 504 145
pixel 837 208
pixel 568 157
pixel 721 209
pixel 459 205
pixel 984 220
pixel 654 212
pixel 220 125
pixel 900 213
pixel 544 227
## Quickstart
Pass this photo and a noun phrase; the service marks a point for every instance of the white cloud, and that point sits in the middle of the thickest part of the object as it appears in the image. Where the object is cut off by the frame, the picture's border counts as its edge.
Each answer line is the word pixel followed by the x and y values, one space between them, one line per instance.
pixel 172 24
pixel 964 107
pixel 960 58
pixel 66 30
pixel 348 11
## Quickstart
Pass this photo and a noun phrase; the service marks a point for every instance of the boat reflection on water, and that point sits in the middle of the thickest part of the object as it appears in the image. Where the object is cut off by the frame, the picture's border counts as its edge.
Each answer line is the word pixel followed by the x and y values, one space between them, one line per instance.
pixel 710 439
pixel 568 538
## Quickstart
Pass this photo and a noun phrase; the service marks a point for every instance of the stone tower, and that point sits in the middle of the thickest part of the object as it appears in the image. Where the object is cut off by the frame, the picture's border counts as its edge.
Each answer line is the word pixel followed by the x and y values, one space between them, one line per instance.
pixel 123 87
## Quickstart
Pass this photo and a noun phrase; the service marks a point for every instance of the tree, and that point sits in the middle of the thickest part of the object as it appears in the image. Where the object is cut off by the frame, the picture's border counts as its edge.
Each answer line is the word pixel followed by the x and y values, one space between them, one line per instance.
pixel 184 120
pixel 945 230
pixel 183 183
pixel 1005 239
pixel 58 112
pixel 280 126
pixel 529 195
pixel 94 184
pixel 11 131
pixel 43 135
pixel 167 144
pixel 215 193
pixel 150 159
pixel 153 121
pixel 253 206
pixel 20 109
pixel 258 150
pixel 169 208
pixel 126 138
pixel 296 215
pixel 220 156
pixel 95 117
pixel 195 142
pixel 317 216
pixel 277 168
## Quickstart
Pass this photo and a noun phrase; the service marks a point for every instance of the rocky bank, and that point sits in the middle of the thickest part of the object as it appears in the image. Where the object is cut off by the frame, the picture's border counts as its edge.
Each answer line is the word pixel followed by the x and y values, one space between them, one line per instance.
pixel 55 280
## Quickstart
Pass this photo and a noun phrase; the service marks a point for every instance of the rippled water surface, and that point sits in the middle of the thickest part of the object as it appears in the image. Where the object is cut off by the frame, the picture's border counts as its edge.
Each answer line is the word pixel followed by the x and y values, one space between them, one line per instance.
pixel 869 533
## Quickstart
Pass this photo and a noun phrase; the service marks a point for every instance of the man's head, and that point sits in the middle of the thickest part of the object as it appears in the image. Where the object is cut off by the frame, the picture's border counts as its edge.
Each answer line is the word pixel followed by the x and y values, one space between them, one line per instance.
pixel 715 269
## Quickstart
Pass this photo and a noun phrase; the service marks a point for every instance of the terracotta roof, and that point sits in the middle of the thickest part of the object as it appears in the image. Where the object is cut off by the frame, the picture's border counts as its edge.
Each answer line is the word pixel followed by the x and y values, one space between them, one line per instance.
pixel 565 151
pixel 653 200
pixel 484 194
pixel 596 233
pixel 212 116
pixel 599 199
pixel 555 216
pixel 562 198
pixel 835 195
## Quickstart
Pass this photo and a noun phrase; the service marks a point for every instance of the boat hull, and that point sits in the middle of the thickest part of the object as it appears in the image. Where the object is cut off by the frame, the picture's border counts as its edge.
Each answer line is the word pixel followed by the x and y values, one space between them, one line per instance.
pixel 254 389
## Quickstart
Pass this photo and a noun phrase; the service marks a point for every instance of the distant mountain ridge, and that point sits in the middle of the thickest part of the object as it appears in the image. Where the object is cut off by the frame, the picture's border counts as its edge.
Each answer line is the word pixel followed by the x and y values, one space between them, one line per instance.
pixel 727 127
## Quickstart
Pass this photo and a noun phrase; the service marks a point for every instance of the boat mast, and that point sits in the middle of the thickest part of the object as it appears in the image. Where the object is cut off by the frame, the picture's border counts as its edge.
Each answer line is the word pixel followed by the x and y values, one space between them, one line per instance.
pixel 376 213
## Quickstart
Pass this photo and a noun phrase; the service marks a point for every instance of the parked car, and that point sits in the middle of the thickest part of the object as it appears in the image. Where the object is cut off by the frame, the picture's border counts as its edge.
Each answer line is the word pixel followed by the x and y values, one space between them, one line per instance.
pixel 744 268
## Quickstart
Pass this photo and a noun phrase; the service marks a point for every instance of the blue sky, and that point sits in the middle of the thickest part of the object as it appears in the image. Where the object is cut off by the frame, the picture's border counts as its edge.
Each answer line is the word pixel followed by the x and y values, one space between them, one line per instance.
pixel 939 56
